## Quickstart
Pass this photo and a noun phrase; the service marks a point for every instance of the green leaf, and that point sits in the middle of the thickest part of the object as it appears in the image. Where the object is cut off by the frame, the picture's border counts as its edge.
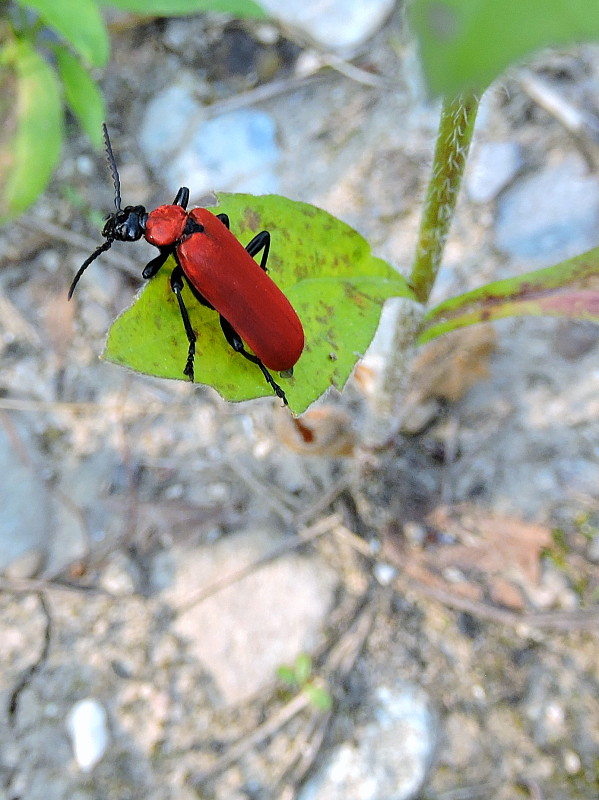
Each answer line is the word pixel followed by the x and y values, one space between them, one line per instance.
pixel 34 151
pixel 172 8
pixel 320 698
pixel 287 675
pixel 303 668
pixel 563 290
pixel 79 22
pixel 465 44
pixel 326 270
pixel 82 94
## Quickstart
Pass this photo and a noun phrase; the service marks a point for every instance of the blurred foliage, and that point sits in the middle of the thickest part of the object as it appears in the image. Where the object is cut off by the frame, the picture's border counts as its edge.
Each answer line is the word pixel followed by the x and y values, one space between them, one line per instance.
pixel 465 44
pixel 48 50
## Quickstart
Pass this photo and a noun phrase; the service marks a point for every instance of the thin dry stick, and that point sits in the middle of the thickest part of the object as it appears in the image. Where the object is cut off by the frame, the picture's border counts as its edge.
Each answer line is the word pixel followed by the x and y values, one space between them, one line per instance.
pixel 323 502
pixel 257 486
pixel 306 747
pixel 15 322
pixel 106 407
pixel 240 748
pixel 480 791
pixel 553 620
pixel 47 585
pixel 578 122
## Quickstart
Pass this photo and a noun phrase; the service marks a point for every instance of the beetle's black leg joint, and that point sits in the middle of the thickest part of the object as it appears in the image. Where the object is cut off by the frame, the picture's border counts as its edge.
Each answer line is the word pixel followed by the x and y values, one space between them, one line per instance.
pixel 177 284
pixel 234 339
pixel 192 226
pixel 224 218
pixel 155 264
pixel 261 241
pixel 182 198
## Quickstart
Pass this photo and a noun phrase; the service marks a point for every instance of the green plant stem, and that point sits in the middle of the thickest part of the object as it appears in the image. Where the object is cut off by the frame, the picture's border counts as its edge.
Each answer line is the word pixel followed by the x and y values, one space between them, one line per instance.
pixel 453 142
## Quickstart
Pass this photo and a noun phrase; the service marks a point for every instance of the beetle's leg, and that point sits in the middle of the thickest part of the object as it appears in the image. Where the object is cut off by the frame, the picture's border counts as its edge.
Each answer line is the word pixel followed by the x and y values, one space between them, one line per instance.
pixel 182 198
pixel 152 267
pixel 261 241
pixel 177 284
pixel 234 339
pixel 224 218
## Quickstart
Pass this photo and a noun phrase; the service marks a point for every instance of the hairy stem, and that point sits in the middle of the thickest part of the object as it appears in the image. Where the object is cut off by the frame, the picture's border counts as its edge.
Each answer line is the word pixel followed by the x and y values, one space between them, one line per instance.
pixel 453 142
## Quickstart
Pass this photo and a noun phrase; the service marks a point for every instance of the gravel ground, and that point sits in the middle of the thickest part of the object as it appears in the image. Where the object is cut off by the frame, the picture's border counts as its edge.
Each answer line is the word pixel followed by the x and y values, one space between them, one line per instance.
pixel 164 553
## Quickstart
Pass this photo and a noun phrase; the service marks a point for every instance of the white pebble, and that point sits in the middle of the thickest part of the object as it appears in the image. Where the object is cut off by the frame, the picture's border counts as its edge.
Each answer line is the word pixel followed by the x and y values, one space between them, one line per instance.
pixel 384 573
pixel 87 727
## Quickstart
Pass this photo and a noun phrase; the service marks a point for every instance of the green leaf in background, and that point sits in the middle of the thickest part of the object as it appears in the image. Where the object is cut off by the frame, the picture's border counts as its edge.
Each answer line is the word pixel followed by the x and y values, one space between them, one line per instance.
pixel 172 8
pixel 326 270
pixel 30 157
pixel 82 94
pixel 79 22
pixel 302 668
pixel 287 675
pixel 465 44
pixel 568 289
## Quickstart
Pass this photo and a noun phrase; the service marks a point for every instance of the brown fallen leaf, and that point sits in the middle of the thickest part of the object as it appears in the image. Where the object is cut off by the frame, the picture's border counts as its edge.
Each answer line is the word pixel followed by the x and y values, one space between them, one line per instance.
pixel 449 366
pixel 493 554
pixel 493 543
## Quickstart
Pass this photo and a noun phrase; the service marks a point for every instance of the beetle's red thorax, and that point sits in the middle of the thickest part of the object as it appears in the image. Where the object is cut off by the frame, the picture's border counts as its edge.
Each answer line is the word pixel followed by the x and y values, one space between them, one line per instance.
pixel 165 225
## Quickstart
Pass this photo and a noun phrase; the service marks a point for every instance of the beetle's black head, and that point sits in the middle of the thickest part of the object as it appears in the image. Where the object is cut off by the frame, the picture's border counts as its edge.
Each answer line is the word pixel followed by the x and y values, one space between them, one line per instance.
pixel 126 225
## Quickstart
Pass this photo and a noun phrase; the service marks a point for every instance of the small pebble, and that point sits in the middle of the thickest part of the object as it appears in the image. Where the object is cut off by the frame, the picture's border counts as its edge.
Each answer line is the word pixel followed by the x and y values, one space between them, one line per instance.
pixel 87 727
pixel 572 763
pixel 384 573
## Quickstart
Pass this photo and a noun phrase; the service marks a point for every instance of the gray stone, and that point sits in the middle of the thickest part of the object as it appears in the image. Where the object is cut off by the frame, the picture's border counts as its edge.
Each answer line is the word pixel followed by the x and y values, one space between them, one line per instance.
pixel 236 151
pixel 247 629
pixel 492 166
pixel 334 24
pixel 25 509
pixel 167 120
pixel 390 757
pixel 553 214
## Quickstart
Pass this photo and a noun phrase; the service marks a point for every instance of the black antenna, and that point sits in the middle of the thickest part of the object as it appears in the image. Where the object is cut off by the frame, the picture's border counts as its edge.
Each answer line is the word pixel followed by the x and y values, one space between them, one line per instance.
pixel 102 249
pixel 113 169
pixel 108 228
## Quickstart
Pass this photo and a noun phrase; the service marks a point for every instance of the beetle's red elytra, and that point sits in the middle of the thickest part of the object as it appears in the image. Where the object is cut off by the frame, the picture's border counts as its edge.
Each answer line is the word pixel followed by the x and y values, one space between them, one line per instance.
pixel 220 272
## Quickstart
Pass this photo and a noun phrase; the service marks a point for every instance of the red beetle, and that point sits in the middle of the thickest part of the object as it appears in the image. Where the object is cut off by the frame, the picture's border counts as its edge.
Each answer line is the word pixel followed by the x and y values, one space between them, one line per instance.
pixel 220 272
